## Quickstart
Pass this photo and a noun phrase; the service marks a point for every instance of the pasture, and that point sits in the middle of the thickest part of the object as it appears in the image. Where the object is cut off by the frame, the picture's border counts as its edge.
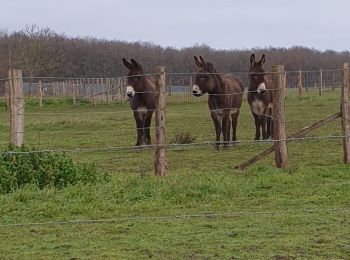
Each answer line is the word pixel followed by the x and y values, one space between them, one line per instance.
pixel 202 209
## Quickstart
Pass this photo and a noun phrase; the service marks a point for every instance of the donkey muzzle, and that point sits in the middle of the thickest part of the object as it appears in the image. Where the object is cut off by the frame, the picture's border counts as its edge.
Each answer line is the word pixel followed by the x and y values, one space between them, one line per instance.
pixel 261 89
pixel 196 91
pixel 130 91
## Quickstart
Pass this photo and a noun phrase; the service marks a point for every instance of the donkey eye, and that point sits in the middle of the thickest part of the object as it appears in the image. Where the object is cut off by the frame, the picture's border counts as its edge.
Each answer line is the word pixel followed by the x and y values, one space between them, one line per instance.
pixel 204 77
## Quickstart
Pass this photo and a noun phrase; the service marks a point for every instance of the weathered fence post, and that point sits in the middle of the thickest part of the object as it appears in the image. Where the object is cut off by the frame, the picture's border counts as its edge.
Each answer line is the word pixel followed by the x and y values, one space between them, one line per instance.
pixel 299 83
pixel 74 93
pixel 40 95
pixel 109 91
pixel 7 95
pixel 281 154
pixel 159 162
pixel 16 107
pixel 169 86
pixel 344 108
pixel 320 89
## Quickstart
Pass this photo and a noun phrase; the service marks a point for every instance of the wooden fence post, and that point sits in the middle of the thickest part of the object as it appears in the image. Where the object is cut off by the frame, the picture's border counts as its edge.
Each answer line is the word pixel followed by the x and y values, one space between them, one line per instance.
pixel 344 108
pixel 299 83
pixel 320 89
pixel 108 91
pixel 169 86
pixel 74 93
pixel 159 162
pixel 40 95
pixel 281 153
pixel 7 95
pixel 121 84
pixel 16 107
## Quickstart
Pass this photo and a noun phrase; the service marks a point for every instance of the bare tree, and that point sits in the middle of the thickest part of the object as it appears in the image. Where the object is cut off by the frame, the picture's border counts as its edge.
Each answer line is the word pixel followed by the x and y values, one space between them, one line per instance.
pixel 36 51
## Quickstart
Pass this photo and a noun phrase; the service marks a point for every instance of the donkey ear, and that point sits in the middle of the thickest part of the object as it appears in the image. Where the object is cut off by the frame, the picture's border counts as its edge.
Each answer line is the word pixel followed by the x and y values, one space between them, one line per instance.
pixel 134 62
pixel 262 60
pixel 202 60
pixel 127 64
pixel 252 60
pixel 198 63
pixel 210 67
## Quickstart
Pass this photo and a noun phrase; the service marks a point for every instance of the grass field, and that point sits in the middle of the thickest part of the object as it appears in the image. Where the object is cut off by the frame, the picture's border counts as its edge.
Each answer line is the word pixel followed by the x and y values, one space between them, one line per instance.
pixel 202 209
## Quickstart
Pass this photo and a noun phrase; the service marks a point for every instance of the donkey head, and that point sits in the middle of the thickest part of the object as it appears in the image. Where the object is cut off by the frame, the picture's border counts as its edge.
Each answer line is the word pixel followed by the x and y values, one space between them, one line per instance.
pixel 134 81
pixel 205 78
pixel 256 75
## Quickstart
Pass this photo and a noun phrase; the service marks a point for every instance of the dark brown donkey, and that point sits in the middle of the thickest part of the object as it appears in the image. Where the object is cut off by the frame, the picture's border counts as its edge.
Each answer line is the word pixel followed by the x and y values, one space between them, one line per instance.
pixel 141 92
pixel 225 98
pixel 260 98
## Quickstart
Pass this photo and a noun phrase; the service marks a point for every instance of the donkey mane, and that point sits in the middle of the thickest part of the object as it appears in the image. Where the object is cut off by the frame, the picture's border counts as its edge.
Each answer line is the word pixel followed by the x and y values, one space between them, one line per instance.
pixel 218 79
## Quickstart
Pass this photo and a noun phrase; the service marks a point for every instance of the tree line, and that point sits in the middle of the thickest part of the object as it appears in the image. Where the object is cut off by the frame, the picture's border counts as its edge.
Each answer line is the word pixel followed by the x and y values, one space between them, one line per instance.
pixel 41 52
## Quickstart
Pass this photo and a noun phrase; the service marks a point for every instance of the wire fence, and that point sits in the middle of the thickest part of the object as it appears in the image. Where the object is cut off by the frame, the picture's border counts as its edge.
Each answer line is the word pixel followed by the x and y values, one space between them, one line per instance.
pixel 68 128
pixel 204 215
pixel 178 85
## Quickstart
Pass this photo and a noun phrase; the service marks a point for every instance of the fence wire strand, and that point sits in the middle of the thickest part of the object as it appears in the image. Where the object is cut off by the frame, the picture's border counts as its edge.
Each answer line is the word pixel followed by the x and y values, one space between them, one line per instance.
pixel 177 217
pixel 175 146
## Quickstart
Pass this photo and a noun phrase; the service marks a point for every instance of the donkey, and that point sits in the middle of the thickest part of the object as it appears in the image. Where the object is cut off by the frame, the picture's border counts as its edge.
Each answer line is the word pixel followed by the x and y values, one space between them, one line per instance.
pixel 141 92
pixel 260 97
pixel 224 101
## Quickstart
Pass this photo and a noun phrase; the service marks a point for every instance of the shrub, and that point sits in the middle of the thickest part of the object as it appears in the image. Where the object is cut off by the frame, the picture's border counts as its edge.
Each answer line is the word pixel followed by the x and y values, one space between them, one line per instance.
pixel 183 138
pixel 20 167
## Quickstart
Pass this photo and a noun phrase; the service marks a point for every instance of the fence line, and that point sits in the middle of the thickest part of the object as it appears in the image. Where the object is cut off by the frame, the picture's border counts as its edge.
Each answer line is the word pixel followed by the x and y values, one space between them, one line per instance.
pixel 177 217
pixel 176 145
pixel 91 92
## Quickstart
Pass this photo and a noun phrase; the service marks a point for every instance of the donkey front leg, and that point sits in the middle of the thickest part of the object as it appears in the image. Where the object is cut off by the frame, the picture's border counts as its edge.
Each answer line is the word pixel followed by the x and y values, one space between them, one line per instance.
pixel 147 127
pixel 139 127
pixel 216 119
pixel 257 126
pixel 263 127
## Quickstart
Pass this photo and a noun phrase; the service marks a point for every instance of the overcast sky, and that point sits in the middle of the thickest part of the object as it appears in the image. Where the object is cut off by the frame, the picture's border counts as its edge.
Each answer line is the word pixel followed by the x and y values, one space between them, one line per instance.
pixel 220 24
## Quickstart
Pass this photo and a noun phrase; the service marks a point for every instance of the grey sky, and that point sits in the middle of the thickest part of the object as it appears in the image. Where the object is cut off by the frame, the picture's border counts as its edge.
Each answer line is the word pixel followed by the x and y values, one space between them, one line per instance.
pixel 220 24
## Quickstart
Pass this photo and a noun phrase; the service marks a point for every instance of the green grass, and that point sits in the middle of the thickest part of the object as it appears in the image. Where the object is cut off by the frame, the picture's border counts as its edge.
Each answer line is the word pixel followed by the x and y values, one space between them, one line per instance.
pixel 262 213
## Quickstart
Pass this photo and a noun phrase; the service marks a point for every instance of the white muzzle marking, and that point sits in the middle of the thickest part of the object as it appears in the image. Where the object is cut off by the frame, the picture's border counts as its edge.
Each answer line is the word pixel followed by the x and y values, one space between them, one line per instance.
pixel 261 88
pixel 196 90
pixel 130 91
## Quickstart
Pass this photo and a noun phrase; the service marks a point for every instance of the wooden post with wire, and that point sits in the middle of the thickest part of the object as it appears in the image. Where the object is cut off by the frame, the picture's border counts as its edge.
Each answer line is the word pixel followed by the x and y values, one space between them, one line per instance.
pixel 344 109
pixel 40 95
pixel 320 88
pixel 159 162
pixel 281 153
pixel 7 95
pixel 299 83
pixel 108 91
pixel 17 103
pixel 74 93
pixel 169 86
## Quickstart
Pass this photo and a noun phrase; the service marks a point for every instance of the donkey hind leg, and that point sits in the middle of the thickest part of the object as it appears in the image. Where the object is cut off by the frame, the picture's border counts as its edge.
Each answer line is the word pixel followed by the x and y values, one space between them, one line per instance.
pixel 217 123
pixel 234 119
pixel 147 126
pixel 271 128
pixel 257 126
pixel 226 124
pixel 269 124
pixel 139 128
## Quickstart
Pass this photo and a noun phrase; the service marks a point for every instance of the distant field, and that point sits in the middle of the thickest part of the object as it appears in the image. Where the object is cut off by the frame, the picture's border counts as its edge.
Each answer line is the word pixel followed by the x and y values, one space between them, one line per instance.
pixel 260 213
